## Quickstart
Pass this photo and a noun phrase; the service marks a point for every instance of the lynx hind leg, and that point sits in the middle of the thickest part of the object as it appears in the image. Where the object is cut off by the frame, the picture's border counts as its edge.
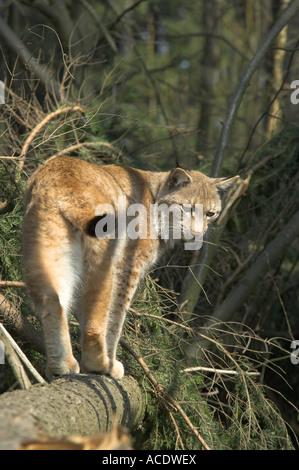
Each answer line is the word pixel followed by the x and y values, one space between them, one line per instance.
pixel 60 359
pixel 51 278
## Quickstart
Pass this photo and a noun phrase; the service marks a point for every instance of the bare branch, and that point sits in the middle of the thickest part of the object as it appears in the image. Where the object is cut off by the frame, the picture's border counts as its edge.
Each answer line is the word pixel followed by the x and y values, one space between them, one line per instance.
pixel 97 144
pixel 269 257
pixel 219 371
pixel 166 399
pixel 8 338
pixel 12 284
pixel 41 124
pixel 123 13
pixel 14 362
pixel 244 82
pixel 207 253
pixel 13 42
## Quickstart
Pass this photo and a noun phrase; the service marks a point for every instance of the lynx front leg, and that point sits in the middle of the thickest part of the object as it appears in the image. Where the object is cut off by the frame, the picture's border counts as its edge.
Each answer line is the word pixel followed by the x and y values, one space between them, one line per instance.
pixel 123 292
pixel 105 310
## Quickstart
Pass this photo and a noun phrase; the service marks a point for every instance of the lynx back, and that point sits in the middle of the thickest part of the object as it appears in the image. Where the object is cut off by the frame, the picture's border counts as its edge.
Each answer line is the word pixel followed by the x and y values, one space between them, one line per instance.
pixel 85 252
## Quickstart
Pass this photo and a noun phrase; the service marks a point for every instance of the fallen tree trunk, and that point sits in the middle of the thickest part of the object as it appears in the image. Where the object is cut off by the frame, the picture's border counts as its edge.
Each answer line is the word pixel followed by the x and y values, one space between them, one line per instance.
pixel 75 405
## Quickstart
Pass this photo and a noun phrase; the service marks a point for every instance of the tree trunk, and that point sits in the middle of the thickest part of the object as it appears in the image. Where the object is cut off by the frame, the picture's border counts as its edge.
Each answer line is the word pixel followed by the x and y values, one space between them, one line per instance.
pixel 73 405
pixel 209 76
pixel 277 70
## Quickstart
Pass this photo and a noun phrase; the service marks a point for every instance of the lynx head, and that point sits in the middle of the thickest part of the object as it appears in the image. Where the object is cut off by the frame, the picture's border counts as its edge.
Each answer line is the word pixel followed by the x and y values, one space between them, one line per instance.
pixel 195 199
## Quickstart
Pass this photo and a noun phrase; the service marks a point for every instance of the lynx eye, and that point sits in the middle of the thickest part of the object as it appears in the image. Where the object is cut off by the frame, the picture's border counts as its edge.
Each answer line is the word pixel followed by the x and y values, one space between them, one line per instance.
pixel 210 214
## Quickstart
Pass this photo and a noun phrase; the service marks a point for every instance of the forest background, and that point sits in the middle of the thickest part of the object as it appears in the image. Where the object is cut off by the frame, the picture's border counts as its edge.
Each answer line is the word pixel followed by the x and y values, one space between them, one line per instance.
pixel 150 84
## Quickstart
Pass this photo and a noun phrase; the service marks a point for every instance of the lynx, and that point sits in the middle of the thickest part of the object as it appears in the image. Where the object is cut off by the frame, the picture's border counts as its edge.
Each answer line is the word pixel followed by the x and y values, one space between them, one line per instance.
pixel 67 266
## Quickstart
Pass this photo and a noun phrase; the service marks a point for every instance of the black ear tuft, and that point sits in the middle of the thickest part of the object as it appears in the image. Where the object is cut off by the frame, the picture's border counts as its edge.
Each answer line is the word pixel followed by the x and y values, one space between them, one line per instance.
pixel 91 225
pixel 224 184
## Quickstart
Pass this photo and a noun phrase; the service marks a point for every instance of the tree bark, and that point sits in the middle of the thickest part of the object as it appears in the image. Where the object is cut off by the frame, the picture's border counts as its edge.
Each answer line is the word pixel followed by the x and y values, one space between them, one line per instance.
pixel 73 405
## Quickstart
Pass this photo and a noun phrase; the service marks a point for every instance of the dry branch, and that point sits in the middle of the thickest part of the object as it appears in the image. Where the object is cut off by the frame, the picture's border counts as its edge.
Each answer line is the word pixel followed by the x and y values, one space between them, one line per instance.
pixel 163 396
pixel 253 276
pixel 282 21
pixel 15 363
pixel 78 405
pixel 13 42
pixel 16 350
pixel 193 286
pixel 41 124
pixel 96 144
pixel 18 284
pixel 219 371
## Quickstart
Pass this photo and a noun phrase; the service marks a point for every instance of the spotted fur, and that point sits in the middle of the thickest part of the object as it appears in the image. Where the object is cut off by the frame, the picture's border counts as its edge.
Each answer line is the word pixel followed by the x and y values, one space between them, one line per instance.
pixel 67 266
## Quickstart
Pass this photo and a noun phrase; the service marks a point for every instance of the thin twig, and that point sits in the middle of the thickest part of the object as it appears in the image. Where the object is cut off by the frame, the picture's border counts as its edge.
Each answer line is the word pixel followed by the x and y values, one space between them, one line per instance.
pixel 162 394
pixel 101 26
pixel 218 371
pixel 156 317
pixel 15 363
pixel 286 76
pixel 245 80
pixel 13 42
pixel 4 333
pixel 16 366
pixel 71 148
pixel 41 124
pixel 123 13
pixel 5 157
pixel 177 430
pixel 238 190
pixel 20 284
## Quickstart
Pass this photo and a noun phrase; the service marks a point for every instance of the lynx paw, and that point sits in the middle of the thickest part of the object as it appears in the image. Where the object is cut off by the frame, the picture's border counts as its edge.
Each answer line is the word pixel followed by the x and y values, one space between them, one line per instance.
pixel 107 367
pixel 117 371
pixel 96 365
pixel 55 370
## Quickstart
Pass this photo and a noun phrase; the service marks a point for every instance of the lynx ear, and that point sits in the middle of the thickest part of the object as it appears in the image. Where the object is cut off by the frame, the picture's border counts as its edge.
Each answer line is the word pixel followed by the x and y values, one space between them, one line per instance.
pixel 179 178
pixel 224 184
